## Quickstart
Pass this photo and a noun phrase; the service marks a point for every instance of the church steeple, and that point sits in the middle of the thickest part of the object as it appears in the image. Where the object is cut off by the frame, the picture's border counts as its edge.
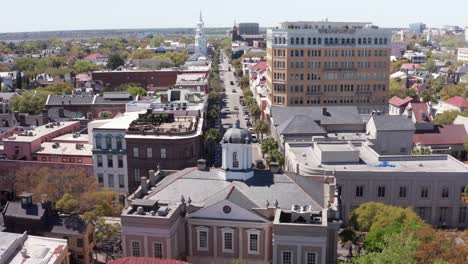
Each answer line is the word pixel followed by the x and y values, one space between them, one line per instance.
pixel 201 17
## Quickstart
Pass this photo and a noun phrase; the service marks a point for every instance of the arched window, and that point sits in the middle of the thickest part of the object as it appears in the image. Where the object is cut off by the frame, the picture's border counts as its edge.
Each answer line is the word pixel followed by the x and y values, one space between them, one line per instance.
pixel 99 142
pixel 235 161
pixel 119 144
pixel 109 142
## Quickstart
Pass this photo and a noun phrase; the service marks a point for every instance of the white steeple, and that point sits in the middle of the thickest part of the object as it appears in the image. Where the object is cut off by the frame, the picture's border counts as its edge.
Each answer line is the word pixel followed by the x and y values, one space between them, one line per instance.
pixel 200 38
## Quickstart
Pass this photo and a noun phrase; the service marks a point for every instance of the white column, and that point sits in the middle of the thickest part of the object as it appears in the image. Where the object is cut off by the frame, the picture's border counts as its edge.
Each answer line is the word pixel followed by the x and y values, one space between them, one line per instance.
pixel 266 236
pixel 215 241
pixel 169 247
pixel 124 245
pixel 299 253
pixel 145 246
pixel 190 240
pixel 240 243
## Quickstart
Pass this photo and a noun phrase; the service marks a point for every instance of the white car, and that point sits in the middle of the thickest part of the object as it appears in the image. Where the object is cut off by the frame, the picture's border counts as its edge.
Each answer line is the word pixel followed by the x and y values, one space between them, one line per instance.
pixel 251 130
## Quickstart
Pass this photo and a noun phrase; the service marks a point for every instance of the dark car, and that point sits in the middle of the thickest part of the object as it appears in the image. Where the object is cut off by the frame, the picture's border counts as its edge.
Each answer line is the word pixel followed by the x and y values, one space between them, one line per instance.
pixel 232 82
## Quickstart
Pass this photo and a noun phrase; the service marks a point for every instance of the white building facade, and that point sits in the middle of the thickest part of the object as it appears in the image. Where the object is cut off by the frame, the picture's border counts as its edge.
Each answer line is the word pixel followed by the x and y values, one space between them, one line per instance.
pixel 462 54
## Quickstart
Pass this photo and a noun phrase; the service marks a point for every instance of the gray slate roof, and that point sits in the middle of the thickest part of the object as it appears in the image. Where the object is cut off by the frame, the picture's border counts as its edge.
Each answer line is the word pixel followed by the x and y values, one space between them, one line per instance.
pixel 393 123
pixel 68 225
pixel 15 209
pixel 237 135
pixel 300 124
pixel 208 187
pixel 336 114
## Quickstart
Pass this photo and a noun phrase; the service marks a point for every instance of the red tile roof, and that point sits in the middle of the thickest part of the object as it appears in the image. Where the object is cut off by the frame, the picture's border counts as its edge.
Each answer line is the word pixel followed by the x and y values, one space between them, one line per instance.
pixel 93 56
pixel 140 260
pixel 420 110
pixel 397 101
pixel 410 66
pixel 442 135
pixel 458 101
pixel 262 65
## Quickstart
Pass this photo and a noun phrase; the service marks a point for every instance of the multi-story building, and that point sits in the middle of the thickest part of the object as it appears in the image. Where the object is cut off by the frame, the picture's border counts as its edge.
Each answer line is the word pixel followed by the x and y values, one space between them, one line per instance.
pixel 328 63
pixel 418 27
pixel 466 34
pixel 415 57
pixel 217 215
pixel 398 48
pixel 110 151
pixel 462 54
pixel 377 169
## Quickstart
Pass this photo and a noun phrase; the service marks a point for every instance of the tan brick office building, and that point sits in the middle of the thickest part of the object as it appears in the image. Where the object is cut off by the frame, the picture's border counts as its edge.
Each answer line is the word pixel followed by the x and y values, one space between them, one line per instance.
pixel 328 63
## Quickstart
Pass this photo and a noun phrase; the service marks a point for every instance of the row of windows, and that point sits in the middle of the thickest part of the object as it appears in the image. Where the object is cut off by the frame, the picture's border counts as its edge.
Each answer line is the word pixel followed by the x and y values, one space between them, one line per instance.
pixel 111 180
pixel 253 240
pixel 349 76
pixel 337 53
pixel 330 88
pixel 444 214
pixel 157 249
pixel 64 159
pixel 331 100
pixel 110 161
pixel 403 192
pixel 106 143
pixel 331 41
pixel 287 257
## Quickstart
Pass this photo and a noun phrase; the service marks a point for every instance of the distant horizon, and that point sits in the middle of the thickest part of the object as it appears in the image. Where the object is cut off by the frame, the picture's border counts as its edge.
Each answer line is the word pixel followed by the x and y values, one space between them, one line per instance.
pixel 25 16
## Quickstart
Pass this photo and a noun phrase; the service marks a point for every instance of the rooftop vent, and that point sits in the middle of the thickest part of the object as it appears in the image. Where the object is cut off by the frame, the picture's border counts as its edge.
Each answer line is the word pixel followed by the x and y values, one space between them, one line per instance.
pixel 140 210
pixel 56 145
pixel 163 211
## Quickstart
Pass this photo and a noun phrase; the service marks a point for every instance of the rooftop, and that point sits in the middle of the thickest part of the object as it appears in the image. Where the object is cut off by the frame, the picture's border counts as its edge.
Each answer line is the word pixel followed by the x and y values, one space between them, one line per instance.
pixel 392 123
pixel 458 101
pixel 191 79
pixel 40 131
pixel 76 137
pixel 119 122
pixel 152 126
pixel 442 135
pixel 326 115
pixel 65 149
pixel 397 101
pixel 38 249
pixel 141 260
pixel 369 160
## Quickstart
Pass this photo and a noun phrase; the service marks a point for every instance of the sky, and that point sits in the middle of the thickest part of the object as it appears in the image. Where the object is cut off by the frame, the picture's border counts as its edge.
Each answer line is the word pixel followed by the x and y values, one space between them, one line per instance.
pixel 47 15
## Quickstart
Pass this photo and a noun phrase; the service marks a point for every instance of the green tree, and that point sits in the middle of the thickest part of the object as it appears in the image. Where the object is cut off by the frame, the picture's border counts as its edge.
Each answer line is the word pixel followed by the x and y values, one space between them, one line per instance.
pixel 268 145
pixel 114 61
pixel 453 90
pixel 430 65
pixel 244 82
pixel 213 114
pixel 421 151
pixel 213 97
pixel 212 137
pixel 275 156
pixel 142 54
pixel 261 128
pixel 134 91
pixel 105 115
pixel 67 203
pixel 81 66
pixel 447 117
pixel 57 89
pixel 397 88
pixel 32 102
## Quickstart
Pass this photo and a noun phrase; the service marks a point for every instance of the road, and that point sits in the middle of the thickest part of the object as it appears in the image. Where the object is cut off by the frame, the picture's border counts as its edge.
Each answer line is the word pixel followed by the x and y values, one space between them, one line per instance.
pixel 231 101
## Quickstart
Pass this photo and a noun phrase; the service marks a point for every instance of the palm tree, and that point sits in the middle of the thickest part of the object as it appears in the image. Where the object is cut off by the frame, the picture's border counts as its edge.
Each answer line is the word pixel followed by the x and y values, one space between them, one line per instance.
pixel 268 145
pixel 260 128
pixel 212 137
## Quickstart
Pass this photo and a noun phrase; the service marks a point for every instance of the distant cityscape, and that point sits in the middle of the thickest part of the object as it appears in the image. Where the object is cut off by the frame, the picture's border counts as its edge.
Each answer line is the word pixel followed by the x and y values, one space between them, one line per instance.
pixel 308 142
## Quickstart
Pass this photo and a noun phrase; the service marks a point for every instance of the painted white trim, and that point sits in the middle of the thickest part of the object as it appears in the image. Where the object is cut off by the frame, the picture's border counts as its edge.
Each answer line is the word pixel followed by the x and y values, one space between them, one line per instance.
pixel 139 248
pixel 227 230
pixel 253 232
pixel 202 229
pixel 281 256
pixel 312 252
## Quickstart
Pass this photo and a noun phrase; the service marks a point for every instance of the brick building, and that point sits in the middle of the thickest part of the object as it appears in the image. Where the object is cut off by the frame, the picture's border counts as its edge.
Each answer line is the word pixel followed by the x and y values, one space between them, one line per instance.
pixel 328 63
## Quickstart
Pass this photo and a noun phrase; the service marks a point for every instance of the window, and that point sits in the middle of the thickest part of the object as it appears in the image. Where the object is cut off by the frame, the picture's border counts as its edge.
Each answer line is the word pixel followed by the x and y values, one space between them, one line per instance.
pixel 235 161
pixel 157 250
pixel 99 161
pixel 110 161
pixel 120 161
pixel 136 175
pixel 424 192
pixel 136 248
pixel 286 257
pixel 228 237
pixel 119 142
pixel 445 192
pixel 462 215
pixel 403 192
pixel 121 181
pixel 253 236
pixel 381 191
pixel 443 214
pixel 111 180
pixel 360 191
pixel 98 142
pixel 311 258
pixel 109 142
pixel 100 178
pixel 202 233
pixel 149 152
pixel 136 152
pixel 79 242
pixel 163 153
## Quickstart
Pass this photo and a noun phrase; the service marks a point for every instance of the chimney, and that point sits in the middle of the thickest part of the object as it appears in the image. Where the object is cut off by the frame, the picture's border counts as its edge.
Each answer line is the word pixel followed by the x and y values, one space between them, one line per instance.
pixel 144 185
pixel 201 164
pixel 324 111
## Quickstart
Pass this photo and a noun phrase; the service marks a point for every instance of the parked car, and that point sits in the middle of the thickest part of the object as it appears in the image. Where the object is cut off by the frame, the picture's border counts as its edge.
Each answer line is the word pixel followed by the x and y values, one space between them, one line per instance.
pixel 232 82
pixel 254 138
pixel 250 129
pixel 234 90
pixel 236 107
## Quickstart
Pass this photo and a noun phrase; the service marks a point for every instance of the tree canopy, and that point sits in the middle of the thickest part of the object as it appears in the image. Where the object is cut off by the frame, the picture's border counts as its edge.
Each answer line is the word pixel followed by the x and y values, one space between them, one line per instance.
pixel 447 117
pixel 136 90
pixel 114 61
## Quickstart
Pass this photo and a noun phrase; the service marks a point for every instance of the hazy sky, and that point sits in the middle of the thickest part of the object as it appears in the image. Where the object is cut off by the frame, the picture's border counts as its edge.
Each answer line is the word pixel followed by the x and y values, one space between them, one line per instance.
pixel 43 15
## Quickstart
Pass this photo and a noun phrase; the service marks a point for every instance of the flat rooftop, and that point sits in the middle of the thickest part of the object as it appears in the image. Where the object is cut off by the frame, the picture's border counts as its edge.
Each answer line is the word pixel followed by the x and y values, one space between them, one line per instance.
pixel 371 161
pixel 72 138
pixel 39 132
pixel 39 249
pixel 120 122
pixel 65 149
